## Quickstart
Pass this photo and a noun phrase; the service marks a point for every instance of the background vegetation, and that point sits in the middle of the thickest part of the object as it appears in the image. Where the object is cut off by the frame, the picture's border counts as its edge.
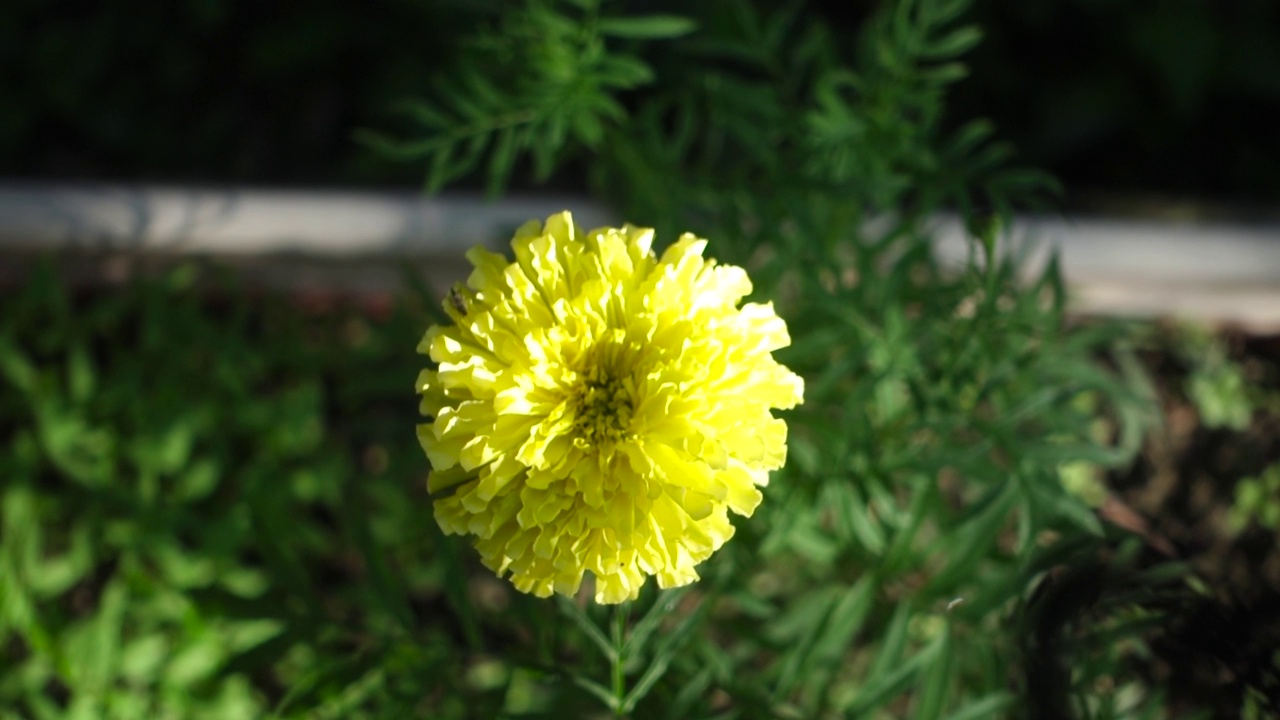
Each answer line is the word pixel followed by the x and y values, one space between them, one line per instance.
pixel 213 503
pixel 1177 97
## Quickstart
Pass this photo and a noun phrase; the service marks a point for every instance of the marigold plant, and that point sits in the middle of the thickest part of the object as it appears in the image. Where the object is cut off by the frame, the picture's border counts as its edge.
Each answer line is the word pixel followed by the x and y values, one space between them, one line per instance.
pixel 596 407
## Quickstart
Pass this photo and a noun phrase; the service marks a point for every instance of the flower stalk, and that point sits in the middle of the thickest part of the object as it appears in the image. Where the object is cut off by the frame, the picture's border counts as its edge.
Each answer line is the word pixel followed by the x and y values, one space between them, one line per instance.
pixel 618 657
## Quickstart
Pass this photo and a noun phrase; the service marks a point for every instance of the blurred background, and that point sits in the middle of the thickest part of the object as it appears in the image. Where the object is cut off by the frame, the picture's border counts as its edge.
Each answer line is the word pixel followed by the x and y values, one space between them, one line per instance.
pixel 1171 101
pixel 211 497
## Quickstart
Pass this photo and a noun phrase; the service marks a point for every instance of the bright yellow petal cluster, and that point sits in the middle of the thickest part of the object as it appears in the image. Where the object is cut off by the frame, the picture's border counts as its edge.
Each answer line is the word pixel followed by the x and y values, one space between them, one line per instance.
pixel 595 407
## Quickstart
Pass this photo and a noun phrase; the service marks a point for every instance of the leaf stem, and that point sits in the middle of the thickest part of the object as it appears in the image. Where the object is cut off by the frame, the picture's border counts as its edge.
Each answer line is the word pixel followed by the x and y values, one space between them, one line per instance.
pixel 617 658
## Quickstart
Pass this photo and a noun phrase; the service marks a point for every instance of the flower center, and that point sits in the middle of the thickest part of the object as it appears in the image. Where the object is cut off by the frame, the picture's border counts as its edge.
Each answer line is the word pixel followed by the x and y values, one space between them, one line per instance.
pixel 603 407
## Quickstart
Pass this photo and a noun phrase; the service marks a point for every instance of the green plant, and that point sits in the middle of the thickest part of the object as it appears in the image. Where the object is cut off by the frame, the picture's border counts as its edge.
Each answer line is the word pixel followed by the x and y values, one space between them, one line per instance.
pixel 218 510
pixel 1215 384
pixel 941 406
pixel 1257 500
pixel 188 487
pixel 779 114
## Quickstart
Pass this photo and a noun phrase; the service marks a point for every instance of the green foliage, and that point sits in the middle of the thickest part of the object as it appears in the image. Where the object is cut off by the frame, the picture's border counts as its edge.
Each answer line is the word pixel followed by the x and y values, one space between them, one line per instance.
pixel 942 407
pixel 1085 629
pixel 940 413
pixel 1219 394
pixel 197 496
pixel 777 112
pixel 1257 500
pixel 539 79
pixel 244 91
pixel 1215 384
pixel 213 512
pixel 1227 398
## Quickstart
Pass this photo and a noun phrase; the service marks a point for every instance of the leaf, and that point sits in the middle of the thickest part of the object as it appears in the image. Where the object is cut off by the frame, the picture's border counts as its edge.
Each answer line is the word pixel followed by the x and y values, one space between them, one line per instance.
pixel 386 586
pixel 661 609
pixel 881 689
pixel 501 159
pixel 20 533
pixel 166 450
pixel 670 644
pixel 272 525
pixel 852 516
pixel 970 136
pixel 803 453
pixel 52 576
pixel 98 656
pixel 800 629
pixel 945 74
pixel 455 586
pixel 937 681
pixel 83 453
pixel 593 633
pixel 958 42
pixel 346 670
pixel 1055 454
pixel 624 71
pixel 200 478
pixel 899 554
pixel 694 688
pixel 600 692
pixel 846 620
pixel 141 659
pixel 974 539
pixel 587 128
pixel 1048 496
pixel 987 706
pixel 80 375
pixel 895 641
pixel 942 11
pixel 15 367
pixel 812 542
pixel 647 27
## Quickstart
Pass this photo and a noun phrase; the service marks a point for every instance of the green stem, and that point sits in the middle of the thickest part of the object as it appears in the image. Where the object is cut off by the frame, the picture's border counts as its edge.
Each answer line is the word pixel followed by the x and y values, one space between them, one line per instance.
pixel 619 631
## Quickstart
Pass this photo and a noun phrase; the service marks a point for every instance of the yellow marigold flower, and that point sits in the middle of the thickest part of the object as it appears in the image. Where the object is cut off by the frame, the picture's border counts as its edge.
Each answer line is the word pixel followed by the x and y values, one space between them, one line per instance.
pixel 595 407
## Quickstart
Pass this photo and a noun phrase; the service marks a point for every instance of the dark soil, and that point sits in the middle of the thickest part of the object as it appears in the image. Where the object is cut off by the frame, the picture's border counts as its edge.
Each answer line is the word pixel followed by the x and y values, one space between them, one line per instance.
pixel 1212 646
pixel 1184 483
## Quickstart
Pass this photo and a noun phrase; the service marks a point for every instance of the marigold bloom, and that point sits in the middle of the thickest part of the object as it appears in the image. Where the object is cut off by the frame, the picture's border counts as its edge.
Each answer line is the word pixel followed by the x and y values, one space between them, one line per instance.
pixel 597 408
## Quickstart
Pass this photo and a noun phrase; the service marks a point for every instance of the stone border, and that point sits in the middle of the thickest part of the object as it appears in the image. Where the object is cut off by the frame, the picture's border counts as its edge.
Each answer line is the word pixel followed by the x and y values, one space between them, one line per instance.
pixel 1216 272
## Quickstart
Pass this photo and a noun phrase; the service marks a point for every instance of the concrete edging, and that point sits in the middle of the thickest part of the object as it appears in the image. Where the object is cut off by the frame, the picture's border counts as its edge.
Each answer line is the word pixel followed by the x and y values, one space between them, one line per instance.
pixel 1214 272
